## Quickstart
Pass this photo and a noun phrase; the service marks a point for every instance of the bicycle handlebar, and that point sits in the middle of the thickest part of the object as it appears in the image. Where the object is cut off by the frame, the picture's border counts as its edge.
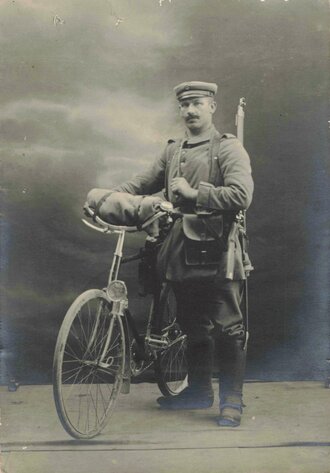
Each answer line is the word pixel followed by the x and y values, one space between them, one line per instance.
pixel 163 209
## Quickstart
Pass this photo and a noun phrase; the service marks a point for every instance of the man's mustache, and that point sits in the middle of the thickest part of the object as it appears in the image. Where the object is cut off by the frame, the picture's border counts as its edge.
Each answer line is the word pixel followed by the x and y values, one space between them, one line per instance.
pixel 189 117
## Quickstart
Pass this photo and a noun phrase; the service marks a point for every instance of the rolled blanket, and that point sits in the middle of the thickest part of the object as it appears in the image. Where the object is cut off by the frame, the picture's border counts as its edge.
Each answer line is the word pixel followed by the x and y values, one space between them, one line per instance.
pixel 121 208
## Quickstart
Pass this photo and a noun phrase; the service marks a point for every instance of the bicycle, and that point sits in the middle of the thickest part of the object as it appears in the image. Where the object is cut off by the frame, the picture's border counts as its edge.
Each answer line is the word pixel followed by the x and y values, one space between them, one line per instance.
pixel 99 348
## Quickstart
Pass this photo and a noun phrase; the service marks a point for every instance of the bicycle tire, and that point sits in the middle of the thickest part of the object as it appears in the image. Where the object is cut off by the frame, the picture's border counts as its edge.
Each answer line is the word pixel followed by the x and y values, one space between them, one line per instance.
pixel 171 364
pixel 89 363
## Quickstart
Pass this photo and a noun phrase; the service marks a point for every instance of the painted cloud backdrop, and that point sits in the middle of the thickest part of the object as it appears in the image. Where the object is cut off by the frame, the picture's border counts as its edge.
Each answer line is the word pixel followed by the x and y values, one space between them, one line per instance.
pixel 86 100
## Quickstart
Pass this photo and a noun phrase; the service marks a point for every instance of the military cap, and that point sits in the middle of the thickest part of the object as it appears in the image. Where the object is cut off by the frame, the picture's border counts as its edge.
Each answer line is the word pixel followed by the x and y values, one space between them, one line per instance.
pixel 188 90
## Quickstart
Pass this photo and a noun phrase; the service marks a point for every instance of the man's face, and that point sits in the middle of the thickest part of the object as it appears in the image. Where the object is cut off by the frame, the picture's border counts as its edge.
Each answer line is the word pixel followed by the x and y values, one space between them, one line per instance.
pixel 197 113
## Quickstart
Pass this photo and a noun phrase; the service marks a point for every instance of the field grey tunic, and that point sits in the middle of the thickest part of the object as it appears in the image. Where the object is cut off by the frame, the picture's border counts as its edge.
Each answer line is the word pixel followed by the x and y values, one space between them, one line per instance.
pixel 230 191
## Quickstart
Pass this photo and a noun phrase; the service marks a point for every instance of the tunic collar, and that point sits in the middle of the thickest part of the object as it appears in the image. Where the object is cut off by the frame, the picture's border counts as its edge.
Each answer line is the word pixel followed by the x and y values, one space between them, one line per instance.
pixel 207 135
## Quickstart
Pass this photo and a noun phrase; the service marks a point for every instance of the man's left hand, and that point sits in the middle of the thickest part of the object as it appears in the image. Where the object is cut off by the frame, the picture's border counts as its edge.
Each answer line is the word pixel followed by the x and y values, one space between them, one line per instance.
pixel 180 186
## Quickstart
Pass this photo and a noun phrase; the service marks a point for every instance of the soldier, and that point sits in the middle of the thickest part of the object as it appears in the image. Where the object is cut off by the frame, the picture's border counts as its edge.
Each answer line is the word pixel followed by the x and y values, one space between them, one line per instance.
pixel 202 173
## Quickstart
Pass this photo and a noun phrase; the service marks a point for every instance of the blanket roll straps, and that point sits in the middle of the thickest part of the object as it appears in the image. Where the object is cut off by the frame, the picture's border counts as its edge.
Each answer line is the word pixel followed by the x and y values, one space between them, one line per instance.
pixel 121 208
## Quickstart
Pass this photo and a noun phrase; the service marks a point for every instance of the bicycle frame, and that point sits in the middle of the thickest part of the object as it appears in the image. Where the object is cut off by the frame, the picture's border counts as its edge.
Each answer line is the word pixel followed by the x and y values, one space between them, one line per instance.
pixel 149 344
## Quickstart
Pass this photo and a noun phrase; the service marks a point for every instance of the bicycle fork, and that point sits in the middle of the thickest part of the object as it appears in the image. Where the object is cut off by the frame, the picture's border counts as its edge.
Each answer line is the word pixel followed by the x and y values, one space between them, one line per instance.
pixel 119 311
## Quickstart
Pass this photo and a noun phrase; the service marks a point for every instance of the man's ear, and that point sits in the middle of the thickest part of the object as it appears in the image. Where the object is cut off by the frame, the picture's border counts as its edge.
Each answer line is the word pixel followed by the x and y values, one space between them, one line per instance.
pixel 213 106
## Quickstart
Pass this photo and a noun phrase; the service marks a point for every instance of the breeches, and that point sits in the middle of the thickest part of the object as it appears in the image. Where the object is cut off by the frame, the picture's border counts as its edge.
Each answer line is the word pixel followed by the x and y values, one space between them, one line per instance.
pixel 210 309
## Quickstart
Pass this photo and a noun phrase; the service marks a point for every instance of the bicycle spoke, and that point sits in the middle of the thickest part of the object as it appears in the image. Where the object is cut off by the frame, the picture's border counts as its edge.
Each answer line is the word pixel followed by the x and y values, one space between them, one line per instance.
pixel 70 371
pixel 73 354
pixel 170 367
pixel 99 345
pixel 75 384
pixel 87 349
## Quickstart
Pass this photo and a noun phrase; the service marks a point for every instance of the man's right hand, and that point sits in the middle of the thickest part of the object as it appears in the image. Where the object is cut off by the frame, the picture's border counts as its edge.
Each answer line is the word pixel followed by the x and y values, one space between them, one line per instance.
pixel 180 186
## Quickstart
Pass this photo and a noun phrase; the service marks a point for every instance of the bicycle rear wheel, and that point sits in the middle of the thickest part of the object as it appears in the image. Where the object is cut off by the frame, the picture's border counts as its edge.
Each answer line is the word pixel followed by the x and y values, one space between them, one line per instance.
pixel 171 363
pixel 88 365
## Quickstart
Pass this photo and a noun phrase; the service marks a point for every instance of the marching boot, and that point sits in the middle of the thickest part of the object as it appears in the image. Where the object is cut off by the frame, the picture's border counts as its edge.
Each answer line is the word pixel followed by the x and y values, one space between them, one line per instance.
pixel 231 385
pixel 199 393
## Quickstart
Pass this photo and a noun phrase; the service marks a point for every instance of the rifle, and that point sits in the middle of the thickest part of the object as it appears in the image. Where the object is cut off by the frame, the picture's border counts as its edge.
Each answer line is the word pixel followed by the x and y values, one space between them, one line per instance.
pixel 238 227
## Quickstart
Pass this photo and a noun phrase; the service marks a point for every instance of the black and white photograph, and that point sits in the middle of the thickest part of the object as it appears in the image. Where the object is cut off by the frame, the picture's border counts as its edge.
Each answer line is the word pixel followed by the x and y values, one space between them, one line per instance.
pixel 164 236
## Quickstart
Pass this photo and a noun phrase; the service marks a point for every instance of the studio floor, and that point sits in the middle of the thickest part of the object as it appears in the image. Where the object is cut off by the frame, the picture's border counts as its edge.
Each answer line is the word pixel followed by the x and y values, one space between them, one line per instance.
pixel 285 429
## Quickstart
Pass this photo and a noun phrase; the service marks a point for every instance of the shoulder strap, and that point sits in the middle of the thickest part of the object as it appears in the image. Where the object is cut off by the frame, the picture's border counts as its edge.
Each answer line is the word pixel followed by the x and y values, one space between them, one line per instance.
pixel 215 155
pixel 227 135
pixel 171 151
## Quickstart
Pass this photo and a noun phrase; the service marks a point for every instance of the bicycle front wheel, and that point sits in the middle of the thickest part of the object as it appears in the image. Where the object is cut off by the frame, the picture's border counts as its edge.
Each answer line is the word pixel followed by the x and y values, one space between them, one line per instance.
pixel 171 363
pixel 89 363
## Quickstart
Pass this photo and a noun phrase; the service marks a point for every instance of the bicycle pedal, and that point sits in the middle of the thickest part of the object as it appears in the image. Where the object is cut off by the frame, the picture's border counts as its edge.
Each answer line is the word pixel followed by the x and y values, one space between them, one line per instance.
pixel 156 342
